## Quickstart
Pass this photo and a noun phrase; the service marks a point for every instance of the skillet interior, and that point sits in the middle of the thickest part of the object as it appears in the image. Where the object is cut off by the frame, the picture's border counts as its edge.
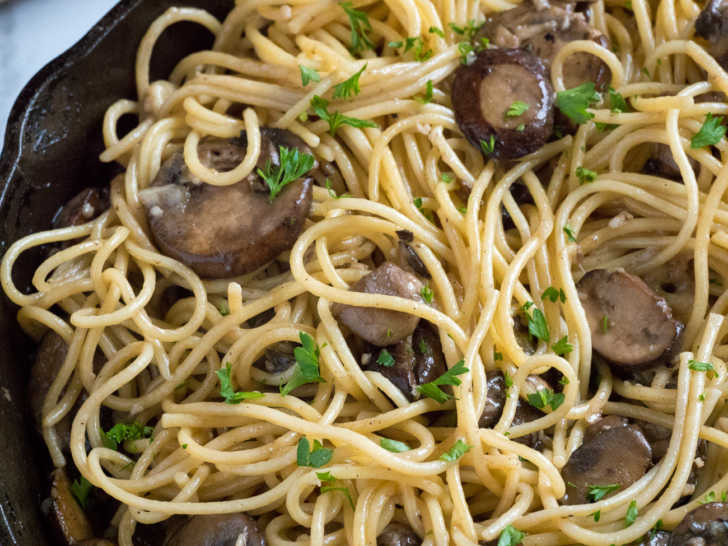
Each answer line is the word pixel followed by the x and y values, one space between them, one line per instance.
pixel 51 152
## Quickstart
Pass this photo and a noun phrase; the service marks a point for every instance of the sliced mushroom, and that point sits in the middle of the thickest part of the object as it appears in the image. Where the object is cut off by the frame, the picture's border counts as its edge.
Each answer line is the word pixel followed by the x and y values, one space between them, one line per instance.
pixel 382 327
pixel 418 359
pixel 712 25
pixel 398 534
pixel 630 325
pixel 82 208
pixel 661 163
pixel 707 525
pixel 543 29
pixel 616 455
pixel 277 358
pixel 604 424
pixel 675 282
pixel 654 538
pixel 68 519
pixel 222 231
pixel 407 257
pixel 484 92
pixel 218 530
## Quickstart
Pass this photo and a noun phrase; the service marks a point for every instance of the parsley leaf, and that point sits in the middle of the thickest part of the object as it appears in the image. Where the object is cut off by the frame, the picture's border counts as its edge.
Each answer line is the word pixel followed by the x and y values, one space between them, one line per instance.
pixel 710 133
pixel 574 102
pixel 546 397
pixel 617 101
pixel 562 347
pixel 458 449
pixel 80 489
pixel 701 366
pixel 632 512
pixel 605 324
pixel 336 119
pixel 332 191
pixel 438 31
pixel 292 165
pixel 433 390
pixel 393 445
pixel 598 492
pixel 466 52
pixel 224 309
pixel 710 497
pixel 497 355
pixel 308 75
pixel 329 479
pixel 121 432
pixel 307 365
pixel 428 94
pixel 585 175
pixel 349 86
pixel 488 147
pixel 537 325
pixel 227 391
pixel 360 26
pixel 417 45
pixel 510 536
pixel 316 458
pixel 447 178
pixel 570 234
pixel 426 294
pixel 468 30
pixel 385 359
pixel 597 515
pixel 516 109
pixel 554 295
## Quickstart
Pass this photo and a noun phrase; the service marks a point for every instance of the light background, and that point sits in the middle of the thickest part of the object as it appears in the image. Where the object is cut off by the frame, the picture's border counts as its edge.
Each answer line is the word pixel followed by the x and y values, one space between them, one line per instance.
pixel 32 32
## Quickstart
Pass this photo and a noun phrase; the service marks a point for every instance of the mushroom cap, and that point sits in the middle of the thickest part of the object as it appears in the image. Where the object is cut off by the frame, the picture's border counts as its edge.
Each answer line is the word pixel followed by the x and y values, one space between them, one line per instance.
pixel 224 231
pixel 483 92
pixel 382 327
pixel 706 525
pixel 640 328
pixel 398 534
pixel 217 530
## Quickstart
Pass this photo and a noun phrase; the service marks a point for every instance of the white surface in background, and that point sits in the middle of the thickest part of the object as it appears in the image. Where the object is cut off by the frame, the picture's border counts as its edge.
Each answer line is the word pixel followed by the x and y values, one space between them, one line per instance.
pixel 32 32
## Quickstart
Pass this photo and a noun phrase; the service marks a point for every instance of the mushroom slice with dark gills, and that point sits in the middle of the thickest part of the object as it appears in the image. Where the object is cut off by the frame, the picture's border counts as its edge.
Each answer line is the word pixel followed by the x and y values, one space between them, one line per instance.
pixel 543 29
pixel 608 461
pixel 630 325
pixel 712 25
pixel 503 102
pixel 223 231
pixel 706 525
pixel 382 327
pixel 219 530
pixel 398 534
pixel 68 520
pixel 416 360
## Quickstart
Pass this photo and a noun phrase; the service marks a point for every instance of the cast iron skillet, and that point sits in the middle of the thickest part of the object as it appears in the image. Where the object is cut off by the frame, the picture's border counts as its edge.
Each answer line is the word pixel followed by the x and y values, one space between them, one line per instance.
pixel 52 145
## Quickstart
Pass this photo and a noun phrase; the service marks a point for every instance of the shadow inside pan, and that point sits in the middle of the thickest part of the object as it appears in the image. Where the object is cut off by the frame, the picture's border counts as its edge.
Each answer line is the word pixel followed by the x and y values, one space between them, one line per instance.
pixel 51 152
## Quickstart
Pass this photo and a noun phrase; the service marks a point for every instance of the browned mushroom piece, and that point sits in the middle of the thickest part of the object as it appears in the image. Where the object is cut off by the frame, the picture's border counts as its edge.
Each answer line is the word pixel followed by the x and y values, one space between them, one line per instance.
pixel 398 534
pixel 712 25
pixel 277 358
pixel 706 525
pixel 82 208
pixel 543 28
pixel 654 538
pixel 675 282
pixel 418 359
pixel 407 257
pixel 494 402
pixel 68 520
pixel 382 327
pixel 217 530
pixel 223 231
pixel 604 424
pixel 503 102
pixel 630 325
pixel 615 456
pixel 661 163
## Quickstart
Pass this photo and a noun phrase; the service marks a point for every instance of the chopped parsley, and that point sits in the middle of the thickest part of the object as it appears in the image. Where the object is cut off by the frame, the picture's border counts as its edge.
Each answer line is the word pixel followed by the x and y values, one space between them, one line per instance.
pixel 428 94
pixel 570 234
pixel 574 102
pixel 433 390
pixel 656 529
pixel 327 485
pixel 458 449
pixel 562 347
pixel 424 348
pixel 307 365
pixel 710 133
pixel 564 380
pixel 385 359
pixel 393 445
pixel 360 26
pixel 617 101
pixel 598 492
pixel 605 324
pixel 292 165
pixel 488 146
pixel 315 458
pixel 447 178
pixel 332 192
pixel 631 515
pixel 121 432
pixel 417 45
pixel 585 175
pixel 537 325
pixel 554 295
pixel 350 86
pixel 308 75
pixel 546 397
pixel 80 489
pixel 710 497
pixel 438 31
pixel 516 109
pixel 701 367
pixel 224 309
pixel 510 536
pixel 426 294
pixel 466 52
pixel 468 30
pixel 597 515
pixel 497 355
pixel 336 119
pixel 227 391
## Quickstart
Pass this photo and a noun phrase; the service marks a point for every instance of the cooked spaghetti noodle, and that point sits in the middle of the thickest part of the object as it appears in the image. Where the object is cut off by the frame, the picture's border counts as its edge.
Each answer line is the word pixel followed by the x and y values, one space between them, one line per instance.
pixel 414 171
